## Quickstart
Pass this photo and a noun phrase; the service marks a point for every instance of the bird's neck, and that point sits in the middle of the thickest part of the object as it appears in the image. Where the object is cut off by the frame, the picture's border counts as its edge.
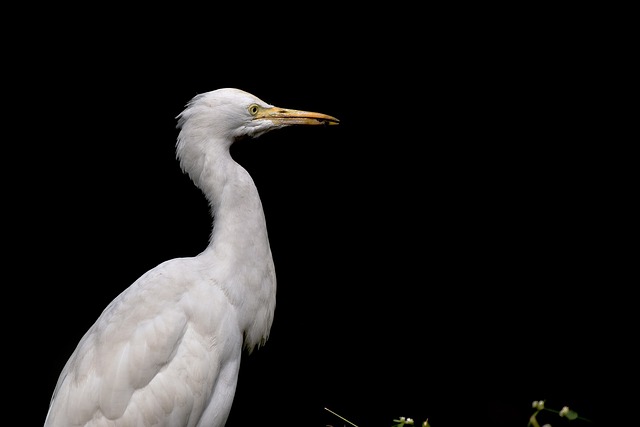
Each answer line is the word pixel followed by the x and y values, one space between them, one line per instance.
pixel 237 211
pixel 238 216
pixel 240 245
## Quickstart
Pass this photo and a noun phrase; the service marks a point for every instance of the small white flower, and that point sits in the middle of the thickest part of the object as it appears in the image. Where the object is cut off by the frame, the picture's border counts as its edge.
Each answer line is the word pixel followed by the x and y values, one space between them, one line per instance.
pixel 540 405
pixel 410 421
pixel 564 411
pixel 402 419
pixel 534 404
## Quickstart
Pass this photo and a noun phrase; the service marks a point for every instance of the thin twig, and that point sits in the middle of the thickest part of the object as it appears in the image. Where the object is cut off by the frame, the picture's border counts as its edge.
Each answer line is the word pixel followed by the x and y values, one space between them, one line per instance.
pixel 342 418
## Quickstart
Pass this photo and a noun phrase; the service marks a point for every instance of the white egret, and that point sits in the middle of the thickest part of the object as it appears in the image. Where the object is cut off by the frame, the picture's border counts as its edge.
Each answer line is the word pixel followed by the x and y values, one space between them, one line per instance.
pixel 166 351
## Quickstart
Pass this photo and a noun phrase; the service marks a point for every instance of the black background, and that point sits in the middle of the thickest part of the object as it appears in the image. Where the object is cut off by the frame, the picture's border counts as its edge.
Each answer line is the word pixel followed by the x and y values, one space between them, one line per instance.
pixel 443 253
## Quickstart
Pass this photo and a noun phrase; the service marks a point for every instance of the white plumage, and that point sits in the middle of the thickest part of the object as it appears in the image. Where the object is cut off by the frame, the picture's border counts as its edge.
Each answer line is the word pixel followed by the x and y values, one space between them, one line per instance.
pixel 166 351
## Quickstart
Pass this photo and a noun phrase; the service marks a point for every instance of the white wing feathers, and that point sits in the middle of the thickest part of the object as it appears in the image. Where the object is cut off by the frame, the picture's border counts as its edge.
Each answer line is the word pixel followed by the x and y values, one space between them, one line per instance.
pixel 152 344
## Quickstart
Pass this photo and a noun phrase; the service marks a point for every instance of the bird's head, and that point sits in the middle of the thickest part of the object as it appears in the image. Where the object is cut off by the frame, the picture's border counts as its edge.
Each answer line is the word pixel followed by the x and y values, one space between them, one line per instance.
pixel 222 116
pixel 230 114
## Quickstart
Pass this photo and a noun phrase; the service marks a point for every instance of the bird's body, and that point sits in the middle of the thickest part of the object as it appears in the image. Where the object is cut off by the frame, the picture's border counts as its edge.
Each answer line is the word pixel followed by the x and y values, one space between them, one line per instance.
pixel 167 350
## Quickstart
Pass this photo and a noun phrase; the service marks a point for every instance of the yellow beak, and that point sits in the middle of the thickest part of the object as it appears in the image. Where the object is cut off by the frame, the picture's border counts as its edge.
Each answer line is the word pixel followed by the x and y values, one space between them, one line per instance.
pixel 287 117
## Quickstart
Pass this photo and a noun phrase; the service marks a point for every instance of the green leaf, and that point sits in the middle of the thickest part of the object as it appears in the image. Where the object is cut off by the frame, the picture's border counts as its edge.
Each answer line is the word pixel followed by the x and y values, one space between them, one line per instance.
pixel 571 415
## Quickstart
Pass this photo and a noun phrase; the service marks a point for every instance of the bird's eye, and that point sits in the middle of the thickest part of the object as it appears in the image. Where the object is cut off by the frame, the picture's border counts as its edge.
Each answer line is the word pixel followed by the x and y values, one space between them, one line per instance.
pixel 253 109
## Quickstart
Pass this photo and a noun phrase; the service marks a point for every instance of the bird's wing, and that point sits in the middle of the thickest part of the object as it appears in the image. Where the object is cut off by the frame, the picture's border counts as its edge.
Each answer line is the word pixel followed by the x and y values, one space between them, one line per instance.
pixel 144 357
